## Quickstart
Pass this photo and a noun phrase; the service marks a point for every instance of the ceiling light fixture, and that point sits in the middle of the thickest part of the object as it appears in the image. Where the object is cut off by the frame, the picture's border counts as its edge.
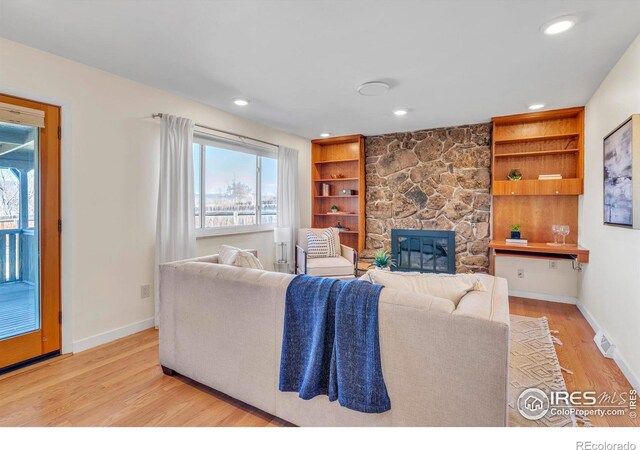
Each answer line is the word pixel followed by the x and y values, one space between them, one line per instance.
pixel 400 112
pixel 535 106
pixel 373 88
pixel 325 135
pixel 559 25
pixel 241 101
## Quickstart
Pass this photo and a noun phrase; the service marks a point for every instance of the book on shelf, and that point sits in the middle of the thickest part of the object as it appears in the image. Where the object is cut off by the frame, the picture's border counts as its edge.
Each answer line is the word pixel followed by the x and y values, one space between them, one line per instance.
pixel 552 176
pixel 517 241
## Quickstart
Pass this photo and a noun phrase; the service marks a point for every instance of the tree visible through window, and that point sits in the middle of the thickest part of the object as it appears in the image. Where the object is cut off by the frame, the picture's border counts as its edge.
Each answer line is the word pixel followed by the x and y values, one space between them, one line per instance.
pixel 9 199
pixel 234 187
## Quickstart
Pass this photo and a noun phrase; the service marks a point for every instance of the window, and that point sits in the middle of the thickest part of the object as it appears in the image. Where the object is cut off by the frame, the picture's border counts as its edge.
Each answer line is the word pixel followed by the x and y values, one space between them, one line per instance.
pixel 235 186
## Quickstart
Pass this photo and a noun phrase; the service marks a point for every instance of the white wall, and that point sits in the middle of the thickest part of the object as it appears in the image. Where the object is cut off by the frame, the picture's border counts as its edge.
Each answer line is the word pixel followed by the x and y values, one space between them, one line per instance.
pixel 109 184
pixel 610 288
pixel 540 281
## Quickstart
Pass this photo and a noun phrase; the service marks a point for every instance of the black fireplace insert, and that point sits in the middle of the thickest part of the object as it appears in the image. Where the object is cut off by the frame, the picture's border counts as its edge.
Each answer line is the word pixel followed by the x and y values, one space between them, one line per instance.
pixel 424 250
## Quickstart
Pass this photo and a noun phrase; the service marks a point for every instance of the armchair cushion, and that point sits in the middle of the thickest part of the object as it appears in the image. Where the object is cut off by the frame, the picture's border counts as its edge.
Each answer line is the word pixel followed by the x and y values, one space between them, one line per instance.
pixel 302 237
pixel 321 246
pixel 328 267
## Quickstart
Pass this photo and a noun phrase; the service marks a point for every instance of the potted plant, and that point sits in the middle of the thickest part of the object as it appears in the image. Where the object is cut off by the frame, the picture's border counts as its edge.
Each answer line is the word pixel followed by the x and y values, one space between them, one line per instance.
pixel 515 231
pixel 382 260
pixel 514 175
pixel 334 208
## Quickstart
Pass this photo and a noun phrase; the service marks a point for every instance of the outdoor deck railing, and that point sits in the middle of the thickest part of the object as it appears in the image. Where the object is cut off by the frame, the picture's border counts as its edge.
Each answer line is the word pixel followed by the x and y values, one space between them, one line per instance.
pixel 16 255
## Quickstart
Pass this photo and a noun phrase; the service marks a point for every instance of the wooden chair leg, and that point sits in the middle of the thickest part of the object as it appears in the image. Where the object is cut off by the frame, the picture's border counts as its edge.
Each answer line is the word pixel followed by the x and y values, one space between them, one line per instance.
pixel 167 371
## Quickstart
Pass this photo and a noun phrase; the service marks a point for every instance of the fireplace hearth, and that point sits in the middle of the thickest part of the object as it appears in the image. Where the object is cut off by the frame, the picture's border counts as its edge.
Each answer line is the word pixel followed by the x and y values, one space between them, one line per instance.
pixel 424 250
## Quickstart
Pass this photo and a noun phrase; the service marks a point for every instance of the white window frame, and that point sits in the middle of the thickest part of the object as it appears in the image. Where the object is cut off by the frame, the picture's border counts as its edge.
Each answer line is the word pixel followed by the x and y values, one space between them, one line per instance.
pixel 204 139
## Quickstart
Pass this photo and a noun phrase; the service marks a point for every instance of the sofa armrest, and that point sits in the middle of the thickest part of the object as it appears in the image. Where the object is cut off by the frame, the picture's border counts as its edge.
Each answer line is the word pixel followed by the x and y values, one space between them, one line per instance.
pixel 301 260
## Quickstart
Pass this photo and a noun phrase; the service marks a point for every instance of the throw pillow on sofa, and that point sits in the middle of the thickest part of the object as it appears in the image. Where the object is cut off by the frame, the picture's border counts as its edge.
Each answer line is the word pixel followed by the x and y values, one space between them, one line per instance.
pixel 452 287
pixel 233 256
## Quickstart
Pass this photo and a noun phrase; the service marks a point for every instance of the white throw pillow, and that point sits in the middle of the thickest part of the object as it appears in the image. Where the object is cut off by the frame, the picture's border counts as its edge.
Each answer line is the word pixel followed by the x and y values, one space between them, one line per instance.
pixel 452 287
pixel 321 245
pixel 228 254
pixel 247 259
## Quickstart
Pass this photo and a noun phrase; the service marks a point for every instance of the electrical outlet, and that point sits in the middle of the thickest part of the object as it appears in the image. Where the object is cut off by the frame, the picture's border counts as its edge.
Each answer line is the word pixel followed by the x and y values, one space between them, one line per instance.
pixel 520 273
pixel 553 264
pixel 145 291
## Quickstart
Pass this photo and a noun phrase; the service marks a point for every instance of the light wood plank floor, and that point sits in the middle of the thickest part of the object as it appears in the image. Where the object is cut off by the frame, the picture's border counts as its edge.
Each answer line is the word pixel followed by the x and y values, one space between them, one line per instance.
pixel 121 384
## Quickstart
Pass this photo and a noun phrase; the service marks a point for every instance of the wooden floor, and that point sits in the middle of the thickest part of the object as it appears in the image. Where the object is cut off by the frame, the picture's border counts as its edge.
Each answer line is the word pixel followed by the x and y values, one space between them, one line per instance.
pixel 19 312
pixel 121 384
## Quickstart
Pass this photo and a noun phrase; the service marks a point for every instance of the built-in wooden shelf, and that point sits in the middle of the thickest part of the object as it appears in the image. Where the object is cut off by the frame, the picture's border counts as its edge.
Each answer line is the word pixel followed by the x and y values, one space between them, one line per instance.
pixel 335 161
pixel 539 143
pixel 539 250
pixel 324 180
pixel 542 137
pixel 336 196
pixel 540 153
pixel 339 156
pixel 565 186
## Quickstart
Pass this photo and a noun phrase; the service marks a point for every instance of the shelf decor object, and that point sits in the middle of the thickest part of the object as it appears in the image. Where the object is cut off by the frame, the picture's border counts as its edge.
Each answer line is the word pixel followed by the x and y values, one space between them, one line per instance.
pixel 339 163
pixel 515 175
pixel 547 148
pixel 622 174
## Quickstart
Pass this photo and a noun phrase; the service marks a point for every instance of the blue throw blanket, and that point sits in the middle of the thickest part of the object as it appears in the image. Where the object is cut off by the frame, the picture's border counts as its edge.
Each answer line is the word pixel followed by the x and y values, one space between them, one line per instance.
pixel 330 343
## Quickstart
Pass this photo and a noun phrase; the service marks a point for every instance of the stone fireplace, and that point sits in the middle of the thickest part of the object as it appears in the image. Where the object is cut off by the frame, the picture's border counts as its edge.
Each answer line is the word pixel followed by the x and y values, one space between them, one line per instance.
pixel 435 179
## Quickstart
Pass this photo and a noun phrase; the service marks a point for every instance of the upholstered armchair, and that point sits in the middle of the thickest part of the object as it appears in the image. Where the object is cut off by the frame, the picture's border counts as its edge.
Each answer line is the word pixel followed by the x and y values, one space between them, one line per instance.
pixel 343 266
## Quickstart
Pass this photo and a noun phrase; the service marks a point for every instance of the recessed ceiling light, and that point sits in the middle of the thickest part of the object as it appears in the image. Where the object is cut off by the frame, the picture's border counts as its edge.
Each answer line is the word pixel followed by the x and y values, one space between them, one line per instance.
pixel 400 112
pixel 241 101
pixel 535 106
pixel 559 25
pixel 324 135
pixel 373 88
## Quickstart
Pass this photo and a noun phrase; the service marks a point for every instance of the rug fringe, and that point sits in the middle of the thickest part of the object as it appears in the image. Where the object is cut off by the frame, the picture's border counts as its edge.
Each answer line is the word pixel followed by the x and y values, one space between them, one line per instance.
pixel 555 340
pixel 566 370
pixel 584 421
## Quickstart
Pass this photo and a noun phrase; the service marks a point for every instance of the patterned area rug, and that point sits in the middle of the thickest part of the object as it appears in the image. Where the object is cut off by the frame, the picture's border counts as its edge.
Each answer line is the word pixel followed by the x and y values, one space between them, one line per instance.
pixel 534 364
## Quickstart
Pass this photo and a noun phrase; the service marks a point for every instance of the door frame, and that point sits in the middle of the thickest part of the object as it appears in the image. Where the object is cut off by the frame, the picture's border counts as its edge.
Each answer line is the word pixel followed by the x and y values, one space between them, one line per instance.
pixel 48 339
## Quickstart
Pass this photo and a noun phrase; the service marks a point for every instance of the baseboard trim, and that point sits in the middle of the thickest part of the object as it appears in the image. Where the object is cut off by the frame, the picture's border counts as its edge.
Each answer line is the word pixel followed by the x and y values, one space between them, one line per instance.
pixel 112 335
pixel 544 297
pixel 631 377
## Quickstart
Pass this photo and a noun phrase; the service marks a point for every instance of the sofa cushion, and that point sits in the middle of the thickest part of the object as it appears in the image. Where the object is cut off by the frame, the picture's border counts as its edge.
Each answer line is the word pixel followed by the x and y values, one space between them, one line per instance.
pixel 452 287
pixel 326 267
pixel 248 260
pixel 227 254
pixel 234 256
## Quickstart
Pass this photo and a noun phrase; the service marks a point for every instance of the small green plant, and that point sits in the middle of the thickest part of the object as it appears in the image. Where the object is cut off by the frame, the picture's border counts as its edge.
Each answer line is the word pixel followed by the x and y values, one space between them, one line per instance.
pixel 515 227
pixel 382 260
pixel 334 208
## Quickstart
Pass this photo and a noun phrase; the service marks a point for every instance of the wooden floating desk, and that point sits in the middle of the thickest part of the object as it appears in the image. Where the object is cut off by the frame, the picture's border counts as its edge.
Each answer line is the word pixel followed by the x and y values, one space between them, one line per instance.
pixel 537 250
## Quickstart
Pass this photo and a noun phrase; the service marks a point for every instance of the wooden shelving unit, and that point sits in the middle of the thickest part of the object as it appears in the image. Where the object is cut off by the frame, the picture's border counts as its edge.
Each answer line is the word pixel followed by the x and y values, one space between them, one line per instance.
pixel 343 158
pixel 548 142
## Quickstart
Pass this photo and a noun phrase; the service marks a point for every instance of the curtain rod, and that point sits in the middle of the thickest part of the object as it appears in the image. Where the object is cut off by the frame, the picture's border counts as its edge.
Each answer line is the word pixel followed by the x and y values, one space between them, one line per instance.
pixel 159 115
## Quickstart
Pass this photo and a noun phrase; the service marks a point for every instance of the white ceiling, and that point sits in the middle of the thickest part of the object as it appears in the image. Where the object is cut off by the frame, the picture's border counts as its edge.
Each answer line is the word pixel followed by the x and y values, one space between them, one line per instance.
pixel 299 62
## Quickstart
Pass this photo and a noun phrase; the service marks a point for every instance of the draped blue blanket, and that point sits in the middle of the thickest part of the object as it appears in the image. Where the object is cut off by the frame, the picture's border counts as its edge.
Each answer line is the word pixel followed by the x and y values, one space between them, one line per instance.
pixel 330 343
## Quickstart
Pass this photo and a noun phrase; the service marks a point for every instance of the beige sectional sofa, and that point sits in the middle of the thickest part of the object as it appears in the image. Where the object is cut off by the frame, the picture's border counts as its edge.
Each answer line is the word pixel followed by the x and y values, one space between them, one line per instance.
pixel 443 366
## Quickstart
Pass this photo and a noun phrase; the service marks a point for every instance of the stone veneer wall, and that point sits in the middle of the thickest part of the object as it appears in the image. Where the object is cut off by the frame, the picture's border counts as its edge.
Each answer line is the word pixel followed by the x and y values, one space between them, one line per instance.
pixel 431 179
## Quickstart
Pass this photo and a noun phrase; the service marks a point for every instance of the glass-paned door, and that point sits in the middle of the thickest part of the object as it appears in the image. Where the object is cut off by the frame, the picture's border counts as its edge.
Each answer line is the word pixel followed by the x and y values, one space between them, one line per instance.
pixel 19 229
pixel 30 320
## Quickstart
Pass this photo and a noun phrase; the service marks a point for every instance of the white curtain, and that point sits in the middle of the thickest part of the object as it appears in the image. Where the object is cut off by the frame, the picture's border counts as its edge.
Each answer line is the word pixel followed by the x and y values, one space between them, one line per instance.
pixel 288 212
pixel 175 235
